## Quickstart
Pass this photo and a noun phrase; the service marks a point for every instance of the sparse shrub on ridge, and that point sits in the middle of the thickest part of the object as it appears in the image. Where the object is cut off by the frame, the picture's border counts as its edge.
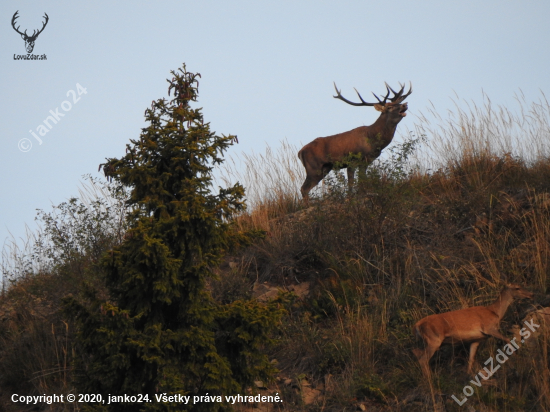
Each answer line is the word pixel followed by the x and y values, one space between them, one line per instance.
pixel 36 338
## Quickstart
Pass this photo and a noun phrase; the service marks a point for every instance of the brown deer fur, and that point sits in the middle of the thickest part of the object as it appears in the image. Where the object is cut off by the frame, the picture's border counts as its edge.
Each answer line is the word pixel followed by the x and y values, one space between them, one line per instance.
pixel 472 325
pixel 319 156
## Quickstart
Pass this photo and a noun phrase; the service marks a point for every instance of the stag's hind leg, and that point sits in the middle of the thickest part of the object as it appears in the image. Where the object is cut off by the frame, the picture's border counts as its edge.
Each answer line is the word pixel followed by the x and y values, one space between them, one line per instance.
pixel 424 357
pixel 313 178
pixel 310 182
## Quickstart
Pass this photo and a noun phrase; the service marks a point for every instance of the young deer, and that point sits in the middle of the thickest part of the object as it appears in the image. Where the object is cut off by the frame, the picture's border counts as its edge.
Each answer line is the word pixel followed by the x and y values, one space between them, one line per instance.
pixel 471 325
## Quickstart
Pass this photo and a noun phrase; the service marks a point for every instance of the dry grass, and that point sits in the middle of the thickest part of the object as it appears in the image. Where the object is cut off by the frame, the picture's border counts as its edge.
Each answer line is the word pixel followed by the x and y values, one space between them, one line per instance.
pixel 439 233
pixel 272 180
pixel 471 213
pixel 471 131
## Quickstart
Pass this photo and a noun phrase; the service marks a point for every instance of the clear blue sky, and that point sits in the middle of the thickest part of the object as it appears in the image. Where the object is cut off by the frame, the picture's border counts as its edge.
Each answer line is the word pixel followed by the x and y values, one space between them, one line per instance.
pixel 267 71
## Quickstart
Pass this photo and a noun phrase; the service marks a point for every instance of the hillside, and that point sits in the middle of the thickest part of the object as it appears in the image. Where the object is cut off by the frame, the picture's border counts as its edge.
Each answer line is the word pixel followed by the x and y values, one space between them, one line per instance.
pixel 354 272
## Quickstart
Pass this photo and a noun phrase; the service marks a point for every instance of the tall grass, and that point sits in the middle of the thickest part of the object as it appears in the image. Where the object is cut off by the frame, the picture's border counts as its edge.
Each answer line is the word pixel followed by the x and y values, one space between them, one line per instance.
pixel 472 130
pixel 431 233
pixel 442 231
pixel 272 180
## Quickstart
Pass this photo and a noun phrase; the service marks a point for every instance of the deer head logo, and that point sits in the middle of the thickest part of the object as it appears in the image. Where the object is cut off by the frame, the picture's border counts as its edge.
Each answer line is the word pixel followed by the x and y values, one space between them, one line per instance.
pixel 29 40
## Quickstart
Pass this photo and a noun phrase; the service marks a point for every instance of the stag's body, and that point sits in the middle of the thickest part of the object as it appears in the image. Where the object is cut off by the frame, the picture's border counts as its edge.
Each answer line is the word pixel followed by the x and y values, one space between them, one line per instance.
pixel 320 155
pixel 472 325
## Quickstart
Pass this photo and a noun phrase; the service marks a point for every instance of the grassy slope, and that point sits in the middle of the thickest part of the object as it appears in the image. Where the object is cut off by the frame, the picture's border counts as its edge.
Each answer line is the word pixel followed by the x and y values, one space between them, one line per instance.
pixel 403 247
pixel 378 263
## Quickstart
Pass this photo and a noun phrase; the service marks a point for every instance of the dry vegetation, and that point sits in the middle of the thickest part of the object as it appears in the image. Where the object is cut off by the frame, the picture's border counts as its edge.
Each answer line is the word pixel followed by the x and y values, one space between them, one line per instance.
pixel 421 237
pixel 356 271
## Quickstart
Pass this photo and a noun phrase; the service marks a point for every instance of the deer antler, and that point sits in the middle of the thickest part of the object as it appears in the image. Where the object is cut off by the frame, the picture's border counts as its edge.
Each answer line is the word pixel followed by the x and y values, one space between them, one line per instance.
pixel 397 98
pixel 363 103
pixel 43 26
pixel 385 98
pixel 34 33
pixel 15 16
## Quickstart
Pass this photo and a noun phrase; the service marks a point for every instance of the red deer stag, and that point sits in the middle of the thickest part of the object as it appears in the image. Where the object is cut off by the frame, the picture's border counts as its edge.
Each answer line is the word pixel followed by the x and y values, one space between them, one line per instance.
pixel 319 156
pixel 472 325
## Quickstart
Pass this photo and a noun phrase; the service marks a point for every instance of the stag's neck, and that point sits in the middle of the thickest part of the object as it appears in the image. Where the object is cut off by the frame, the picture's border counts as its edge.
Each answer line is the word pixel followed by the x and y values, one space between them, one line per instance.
pixel 500 306
pixel 384 129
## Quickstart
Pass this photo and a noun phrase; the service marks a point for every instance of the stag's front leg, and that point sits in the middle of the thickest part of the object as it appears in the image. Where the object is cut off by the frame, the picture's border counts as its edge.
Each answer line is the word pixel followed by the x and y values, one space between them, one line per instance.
pixel 362 173
pixel 351 178
pixel 362 177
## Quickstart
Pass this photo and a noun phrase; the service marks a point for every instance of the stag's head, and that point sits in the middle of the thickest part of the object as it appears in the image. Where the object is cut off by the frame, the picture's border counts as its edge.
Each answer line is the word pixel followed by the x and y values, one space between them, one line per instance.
pixel 29 40
pixel 394 108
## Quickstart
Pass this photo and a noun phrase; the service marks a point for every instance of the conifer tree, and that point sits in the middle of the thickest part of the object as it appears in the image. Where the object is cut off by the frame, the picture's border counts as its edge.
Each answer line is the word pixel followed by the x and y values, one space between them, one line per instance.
pixel 160 331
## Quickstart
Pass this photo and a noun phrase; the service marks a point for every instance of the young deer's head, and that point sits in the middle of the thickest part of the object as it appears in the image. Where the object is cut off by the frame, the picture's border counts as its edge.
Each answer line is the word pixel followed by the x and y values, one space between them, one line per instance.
pixel 518 292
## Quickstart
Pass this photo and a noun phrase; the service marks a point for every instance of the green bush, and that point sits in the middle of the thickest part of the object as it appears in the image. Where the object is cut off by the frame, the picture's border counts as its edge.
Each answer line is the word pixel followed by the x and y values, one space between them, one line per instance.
pixel 161 331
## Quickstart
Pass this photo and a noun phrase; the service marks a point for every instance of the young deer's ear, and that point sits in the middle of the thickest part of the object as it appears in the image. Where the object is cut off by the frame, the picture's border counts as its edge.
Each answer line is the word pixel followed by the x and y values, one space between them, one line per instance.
pixel 380 107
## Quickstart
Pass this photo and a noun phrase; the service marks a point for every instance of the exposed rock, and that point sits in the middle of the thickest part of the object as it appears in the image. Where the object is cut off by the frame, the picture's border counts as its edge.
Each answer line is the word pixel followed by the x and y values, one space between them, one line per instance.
pixel 301 289
pixel 310 395
pixel 259 385
pixel 264 292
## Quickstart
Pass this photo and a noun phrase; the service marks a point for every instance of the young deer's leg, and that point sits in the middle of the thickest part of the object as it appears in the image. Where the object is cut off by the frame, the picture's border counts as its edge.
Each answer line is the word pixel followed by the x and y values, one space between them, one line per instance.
pixel 496 334
pixel 424 356
pixel 473 349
